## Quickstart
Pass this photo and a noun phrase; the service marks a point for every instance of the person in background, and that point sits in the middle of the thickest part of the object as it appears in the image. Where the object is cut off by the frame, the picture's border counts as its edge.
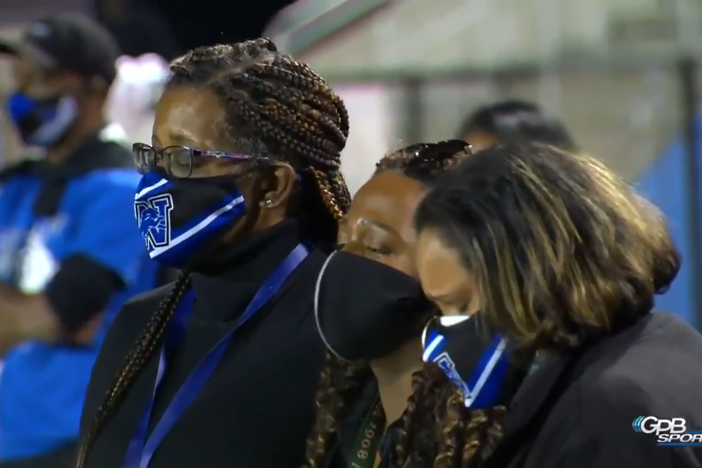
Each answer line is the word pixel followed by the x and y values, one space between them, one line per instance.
pixel 559 256
pixel 242 192
pixel 70 254
pixel 375 390
pixel 514 120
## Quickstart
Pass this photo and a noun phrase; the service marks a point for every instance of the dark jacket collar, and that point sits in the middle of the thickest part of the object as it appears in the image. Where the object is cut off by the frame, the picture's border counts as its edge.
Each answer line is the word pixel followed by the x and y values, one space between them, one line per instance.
pixel 542 389
pixel 534 392
pixel 225 285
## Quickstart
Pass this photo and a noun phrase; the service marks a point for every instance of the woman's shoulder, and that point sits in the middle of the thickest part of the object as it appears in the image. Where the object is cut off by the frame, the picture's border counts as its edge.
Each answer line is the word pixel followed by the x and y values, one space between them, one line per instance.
pixel 121 335
pixel 130 321
pixel 145 299
pixel 656 347
pixel 132 318
pixel 653 368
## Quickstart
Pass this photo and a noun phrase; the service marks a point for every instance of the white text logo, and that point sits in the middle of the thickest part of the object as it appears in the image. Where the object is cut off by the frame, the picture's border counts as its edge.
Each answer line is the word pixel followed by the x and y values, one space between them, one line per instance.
pixel 667 431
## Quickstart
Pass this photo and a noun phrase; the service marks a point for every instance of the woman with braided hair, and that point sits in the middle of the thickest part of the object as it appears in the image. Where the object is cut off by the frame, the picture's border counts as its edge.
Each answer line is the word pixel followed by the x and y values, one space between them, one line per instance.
pixel 378 404
pixel 242 193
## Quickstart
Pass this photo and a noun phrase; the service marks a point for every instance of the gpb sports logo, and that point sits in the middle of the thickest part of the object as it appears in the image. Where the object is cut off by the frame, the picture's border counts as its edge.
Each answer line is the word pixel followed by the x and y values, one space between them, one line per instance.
pixel 667 431
pixel 154 218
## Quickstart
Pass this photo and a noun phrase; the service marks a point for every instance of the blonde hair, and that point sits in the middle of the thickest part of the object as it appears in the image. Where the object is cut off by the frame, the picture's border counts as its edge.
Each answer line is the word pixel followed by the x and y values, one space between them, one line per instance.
pixel 563 250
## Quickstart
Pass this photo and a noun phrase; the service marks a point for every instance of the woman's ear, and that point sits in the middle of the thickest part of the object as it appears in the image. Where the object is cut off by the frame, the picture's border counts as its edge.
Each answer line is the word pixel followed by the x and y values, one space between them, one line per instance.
pixel 278 187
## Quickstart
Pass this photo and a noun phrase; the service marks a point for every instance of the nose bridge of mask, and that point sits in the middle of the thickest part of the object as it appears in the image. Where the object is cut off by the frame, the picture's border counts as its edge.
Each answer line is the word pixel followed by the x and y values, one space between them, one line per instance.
pixel 431 335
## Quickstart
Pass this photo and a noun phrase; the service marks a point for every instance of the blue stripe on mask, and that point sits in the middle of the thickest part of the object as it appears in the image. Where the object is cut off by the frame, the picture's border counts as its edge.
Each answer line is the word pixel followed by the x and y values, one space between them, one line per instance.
pixel 481 380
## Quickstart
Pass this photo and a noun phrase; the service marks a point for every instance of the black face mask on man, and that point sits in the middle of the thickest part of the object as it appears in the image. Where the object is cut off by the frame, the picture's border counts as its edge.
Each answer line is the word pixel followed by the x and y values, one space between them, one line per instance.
pixel 365 309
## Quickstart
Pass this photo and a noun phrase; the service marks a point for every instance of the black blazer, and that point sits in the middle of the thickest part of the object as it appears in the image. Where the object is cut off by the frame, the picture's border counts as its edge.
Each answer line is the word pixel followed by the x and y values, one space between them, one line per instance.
pixel 578 411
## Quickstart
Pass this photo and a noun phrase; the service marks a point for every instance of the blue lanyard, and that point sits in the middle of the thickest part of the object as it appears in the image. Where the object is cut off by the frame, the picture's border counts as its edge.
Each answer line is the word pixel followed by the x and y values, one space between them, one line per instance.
pixel 141 449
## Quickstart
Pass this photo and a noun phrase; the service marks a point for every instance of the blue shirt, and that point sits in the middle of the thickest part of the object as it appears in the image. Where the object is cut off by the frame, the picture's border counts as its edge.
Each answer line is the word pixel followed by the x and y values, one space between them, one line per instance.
pixel 42 386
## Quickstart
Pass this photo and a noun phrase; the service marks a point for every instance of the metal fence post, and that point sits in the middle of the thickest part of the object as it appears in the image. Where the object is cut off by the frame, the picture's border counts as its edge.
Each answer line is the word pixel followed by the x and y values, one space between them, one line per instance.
pixel 414 111
pixel 687 70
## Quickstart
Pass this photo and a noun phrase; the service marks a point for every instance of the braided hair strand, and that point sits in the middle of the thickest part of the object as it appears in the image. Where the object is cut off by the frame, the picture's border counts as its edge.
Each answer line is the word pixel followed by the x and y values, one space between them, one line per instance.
pixel 277 107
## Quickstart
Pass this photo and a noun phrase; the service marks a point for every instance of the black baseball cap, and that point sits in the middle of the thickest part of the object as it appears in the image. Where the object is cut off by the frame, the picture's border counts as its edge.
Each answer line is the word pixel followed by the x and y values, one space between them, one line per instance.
pixel 69 41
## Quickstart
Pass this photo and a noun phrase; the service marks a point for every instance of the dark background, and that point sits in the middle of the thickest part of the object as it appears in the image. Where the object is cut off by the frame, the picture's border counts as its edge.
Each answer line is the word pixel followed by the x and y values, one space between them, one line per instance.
pixel 172 27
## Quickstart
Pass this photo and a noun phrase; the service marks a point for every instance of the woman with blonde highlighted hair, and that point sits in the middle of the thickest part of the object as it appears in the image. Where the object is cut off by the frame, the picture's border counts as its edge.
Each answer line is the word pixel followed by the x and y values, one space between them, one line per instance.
pixel 557 256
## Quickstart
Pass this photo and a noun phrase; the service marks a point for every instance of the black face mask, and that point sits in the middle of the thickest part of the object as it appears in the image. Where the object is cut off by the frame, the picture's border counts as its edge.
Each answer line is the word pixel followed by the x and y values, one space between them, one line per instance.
pixel 476 364
pixel 365 309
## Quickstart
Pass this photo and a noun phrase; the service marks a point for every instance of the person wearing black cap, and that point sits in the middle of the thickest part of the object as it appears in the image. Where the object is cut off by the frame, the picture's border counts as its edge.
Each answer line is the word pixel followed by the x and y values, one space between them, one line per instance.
pixel 70 253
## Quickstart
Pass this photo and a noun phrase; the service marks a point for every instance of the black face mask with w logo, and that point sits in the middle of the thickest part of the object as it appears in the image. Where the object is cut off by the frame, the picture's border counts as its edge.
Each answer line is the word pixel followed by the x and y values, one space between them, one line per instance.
pixel 365 309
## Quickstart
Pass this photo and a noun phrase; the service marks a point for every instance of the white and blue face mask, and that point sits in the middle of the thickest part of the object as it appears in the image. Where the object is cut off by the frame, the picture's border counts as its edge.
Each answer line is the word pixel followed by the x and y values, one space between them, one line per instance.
pixel 42 122
pixel 477 366
pixel 178 218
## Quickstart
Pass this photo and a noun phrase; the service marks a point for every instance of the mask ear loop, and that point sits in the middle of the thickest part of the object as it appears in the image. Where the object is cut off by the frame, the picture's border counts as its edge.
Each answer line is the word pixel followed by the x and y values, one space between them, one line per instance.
pixel 316 306
pixel 430 324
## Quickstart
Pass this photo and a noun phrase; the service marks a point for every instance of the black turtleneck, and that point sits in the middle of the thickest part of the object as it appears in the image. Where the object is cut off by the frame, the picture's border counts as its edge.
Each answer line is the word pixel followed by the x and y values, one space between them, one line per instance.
pixel 227 283
pixel 258 407
pixel 224 287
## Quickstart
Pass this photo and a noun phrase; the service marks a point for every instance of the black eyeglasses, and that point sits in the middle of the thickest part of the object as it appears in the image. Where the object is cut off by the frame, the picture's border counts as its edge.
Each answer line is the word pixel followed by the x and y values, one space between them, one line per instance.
pixel 178 161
